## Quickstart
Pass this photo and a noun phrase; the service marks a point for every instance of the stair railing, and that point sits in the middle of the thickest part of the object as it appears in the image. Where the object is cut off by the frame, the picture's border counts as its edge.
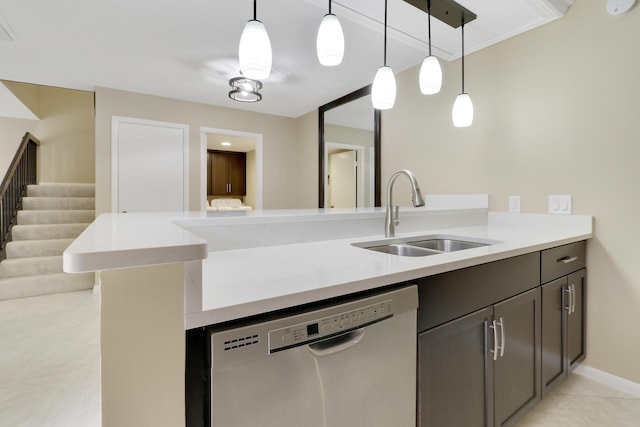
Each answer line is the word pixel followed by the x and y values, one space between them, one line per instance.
pixel 21 172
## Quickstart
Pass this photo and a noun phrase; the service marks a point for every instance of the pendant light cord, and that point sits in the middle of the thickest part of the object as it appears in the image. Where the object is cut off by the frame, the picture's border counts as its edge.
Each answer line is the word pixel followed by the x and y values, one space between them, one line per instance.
pixel 329 7
pixel 429 23
pixel 463 55
pixel 254 9
pixel 385 33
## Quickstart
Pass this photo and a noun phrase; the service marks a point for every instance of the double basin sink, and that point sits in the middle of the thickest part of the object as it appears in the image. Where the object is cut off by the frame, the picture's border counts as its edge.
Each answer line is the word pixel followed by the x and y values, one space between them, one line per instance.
pixel 422 246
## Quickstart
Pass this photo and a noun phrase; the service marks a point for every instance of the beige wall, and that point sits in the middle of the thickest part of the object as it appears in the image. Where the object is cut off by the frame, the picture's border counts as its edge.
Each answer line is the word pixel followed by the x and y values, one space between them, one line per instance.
pixel 65 130
pixel 556 113
pixel 281 186
pixel 142 346
pixel 11 133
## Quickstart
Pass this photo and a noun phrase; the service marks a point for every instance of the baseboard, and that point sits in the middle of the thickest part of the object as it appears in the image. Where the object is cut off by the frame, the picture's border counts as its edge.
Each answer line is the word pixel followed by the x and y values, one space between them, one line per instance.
pixel 608 379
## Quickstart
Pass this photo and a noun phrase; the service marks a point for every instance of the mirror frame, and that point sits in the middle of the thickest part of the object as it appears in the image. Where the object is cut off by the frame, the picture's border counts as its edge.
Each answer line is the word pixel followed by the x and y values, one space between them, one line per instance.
pixel 377 157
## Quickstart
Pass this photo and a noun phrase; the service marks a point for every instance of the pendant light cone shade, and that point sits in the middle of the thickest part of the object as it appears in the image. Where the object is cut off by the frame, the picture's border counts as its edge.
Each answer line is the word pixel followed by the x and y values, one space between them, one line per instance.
pixel 330 41
pixel 383 91
pixel 462 113
pixel 255 51
pixel 430 76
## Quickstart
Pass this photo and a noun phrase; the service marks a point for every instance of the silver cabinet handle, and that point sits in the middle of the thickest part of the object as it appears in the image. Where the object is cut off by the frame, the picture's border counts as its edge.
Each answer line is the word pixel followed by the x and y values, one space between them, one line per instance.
pixel 567 290
pixel 573 298
pixel 230 188
pixel 501 323
pixel 568 259
pixel 495 340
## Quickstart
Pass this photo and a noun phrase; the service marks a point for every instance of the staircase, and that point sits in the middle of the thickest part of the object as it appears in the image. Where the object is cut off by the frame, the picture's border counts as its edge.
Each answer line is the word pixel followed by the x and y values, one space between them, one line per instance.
pixel 52 216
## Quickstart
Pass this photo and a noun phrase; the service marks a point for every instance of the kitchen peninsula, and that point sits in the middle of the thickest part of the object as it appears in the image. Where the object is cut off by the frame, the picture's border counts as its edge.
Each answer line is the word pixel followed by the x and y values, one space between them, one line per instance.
pixel 164 273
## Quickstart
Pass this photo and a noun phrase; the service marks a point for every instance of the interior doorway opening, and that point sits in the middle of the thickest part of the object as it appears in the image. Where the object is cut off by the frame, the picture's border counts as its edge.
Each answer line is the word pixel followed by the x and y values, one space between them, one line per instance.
pixel 233 141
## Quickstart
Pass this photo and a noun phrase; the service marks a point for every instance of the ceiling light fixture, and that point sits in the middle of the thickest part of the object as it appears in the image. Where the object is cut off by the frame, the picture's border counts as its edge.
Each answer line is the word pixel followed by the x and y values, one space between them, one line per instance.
pixel 430 72
pixel 255 50
pixel 245 90
pixel 225 143
pixel 383 90
pixel 462 113
pixel 330 40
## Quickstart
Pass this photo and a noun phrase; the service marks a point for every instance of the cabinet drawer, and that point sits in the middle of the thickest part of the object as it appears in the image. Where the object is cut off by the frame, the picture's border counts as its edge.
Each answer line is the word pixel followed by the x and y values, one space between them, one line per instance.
pixel 447 296
pixel 563 260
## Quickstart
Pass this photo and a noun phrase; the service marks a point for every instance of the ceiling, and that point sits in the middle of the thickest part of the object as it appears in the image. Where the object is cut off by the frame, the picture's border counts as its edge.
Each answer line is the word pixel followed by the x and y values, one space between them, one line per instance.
pixel 188 49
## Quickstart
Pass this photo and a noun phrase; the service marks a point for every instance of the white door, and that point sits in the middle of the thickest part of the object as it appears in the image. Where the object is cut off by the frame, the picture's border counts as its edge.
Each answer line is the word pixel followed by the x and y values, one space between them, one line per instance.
pixel 343 181
pixel 149 166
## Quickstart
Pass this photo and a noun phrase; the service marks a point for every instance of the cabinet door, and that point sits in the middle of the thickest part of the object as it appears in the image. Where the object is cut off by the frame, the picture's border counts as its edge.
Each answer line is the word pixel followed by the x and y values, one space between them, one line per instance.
pixel 219 173
pixel 455 374
pixel 237 174
pixel 554 308
pixel 516 369
pixel 576 345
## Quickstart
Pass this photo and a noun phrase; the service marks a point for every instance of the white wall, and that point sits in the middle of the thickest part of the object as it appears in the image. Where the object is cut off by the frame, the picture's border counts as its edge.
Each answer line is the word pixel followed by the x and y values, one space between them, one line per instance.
pixel 556 113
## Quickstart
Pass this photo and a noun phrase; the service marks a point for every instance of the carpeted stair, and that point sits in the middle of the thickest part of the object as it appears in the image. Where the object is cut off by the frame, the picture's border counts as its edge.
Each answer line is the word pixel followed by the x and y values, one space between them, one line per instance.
pixel 53 216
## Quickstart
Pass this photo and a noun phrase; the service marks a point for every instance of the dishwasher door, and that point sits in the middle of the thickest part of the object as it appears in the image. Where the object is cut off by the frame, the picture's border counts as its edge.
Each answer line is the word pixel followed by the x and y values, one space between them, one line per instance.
pixel 322 368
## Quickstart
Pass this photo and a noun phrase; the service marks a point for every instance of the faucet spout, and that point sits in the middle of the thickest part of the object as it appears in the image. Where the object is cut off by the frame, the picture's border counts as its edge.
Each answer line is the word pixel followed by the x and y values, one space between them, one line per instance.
pixel 392 219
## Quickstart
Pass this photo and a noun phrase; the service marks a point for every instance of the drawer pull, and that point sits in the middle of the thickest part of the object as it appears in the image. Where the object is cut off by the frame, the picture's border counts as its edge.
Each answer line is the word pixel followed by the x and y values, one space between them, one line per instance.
pixel 568 259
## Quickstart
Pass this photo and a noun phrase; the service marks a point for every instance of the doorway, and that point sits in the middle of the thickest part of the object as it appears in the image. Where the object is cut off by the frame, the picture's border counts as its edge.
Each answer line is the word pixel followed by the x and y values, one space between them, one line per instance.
pixel 347 178
pixel 157 151
pixel 235 141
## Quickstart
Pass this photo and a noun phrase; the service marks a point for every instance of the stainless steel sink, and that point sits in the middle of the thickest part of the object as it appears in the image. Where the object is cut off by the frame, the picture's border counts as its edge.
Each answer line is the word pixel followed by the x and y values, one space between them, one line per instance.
pixel 403 250
pixel 446 245
pixel 423 246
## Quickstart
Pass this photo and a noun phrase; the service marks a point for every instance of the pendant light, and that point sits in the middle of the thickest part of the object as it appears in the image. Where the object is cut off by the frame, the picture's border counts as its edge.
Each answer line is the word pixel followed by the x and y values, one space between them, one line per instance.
pixel 462 113
pixel 383 90
pixel 330 40
pixel 245 90
pixel 430 72
pixel 255 49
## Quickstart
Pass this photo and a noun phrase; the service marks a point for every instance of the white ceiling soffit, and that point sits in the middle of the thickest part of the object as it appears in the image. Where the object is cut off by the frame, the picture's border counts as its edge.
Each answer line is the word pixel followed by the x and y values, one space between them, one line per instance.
pixel 189 50
pixel 12 107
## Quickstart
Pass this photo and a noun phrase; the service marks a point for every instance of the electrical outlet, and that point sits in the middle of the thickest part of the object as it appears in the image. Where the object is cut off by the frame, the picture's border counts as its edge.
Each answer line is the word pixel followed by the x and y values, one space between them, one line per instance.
pixel 515 203
pixel 560 205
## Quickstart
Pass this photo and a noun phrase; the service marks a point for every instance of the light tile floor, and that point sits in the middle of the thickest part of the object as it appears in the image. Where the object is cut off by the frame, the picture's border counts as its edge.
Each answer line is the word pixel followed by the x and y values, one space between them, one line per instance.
pixel 581 402
pixel 50 361
pixel 50 372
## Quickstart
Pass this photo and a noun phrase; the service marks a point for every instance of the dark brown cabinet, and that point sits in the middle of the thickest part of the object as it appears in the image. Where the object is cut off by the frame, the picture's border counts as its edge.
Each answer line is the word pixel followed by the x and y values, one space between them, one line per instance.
pixel 226 173
pixel 483 368
pixel 563 327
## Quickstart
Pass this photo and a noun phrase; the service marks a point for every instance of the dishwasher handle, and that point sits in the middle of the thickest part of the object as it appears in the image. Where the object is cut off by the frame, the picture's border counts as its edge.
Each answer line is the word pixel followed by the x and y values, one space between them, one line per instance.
pixel 336 344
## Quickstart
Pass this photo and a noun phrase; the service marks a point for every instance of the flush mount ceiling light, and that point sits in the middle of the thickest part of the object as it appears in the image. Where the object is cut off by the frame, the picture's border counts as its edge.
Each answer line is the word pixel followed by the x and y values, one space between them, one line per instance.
pixel 430 72
pixel 330 40
pixel 245 90
pixel 255 49
pixel 383 90
pixel 462 113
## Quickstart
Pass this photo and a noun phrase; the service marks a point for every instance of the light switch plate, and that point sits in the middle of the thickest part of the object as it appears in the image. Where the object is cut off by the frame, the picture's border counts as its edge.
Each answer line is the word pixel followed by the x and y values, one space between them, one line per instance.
pixel 560 205
pixel 515 204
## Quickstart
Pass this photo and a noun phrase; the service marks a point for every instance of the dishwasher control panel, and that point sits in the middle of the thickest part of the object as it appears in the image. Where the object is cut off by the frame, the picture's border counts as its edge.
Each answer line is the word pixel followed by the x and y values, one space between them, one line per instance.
pixel 316 329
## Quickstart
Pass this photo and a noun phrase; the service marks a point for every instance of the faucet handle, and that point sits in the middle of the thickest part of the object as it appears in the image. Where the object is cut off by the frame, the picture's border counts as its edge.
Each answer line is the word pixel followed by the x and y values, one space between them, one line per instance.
pixel 396 214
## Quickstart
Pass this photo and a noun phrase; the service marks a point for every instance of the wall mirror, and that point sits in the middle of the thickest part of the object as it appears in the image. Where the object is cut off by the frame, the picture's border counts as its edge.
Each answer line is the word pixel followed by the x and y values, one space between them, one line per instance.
pixel 349 152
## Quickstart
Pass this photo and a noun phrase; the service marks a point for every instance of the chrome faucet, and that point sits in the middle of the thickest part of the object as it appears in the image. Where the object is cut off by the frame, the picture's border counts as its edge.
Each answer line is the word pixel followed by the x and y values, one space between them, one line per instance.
pixel 392 219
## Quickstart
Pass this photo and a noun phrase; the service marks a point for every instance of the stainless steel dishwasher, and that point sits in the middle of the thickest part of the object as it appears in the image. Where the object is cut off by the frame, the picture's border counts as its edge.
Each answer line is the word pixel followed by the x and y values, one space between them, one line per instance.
pixel 350 364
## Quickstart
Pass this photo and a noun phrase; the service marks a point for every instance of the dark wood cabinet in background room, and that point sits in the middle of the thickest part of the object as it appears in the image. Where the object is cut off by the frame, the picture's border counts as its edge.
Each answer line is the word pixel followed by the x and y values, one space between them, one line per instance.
pixel 226 173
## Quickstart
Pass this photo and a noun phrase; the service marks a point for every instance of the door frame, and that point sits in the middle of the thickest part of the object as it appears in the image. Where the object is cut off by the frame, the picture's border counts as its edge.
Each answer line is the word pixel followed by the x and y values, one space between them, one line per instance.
pixel 203 161
pixel 115 123
pixel 360 185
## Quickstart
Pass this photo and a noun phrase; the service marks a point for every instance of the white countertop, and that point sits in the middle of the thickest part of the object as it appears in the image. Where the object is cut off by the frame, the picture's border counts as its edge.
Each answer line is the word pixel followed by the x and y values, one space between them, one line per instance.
pixel 294 265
